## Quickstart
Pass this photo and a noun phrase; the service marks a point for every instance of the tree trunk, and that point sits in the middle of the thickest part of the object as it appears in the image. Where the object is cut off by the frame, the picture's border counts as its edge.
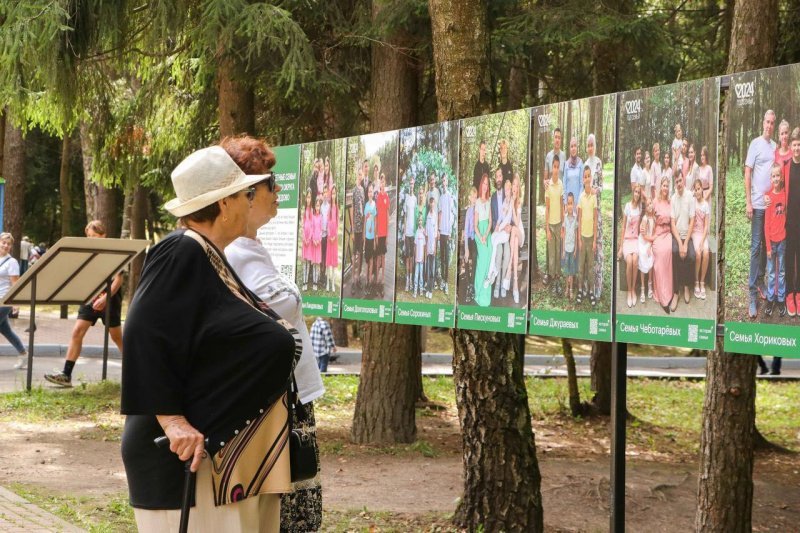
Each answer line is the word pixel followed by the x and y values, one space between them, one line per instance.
pixel 601 377
pixel 90 188
pixel 725 486
pixel 501 474
pixel 516 87
pixel 14 161
pixel 391 352
pixel 339 329
pixel 395 80
pixel 127 207
pixel 236 97
pixel 65 188
pixel 138 221
pixel 107 210
pixel 460 45
pixel 384 411
pixel 572 379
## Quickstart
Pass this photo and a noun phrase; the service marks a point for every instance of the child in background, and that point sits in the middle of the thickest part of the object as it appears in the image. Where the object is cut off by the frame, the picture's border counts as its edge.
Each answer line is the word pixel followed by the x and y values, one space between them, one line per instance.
pixel 553 216
pixel 775 237
pixel 647 234
pixel 308 244
pixel 431 231
pixel 569 236
pixel 587 244
pixel 332 257
pixel 677 149
pixel 419 257
pixel 702 218
pixel 316 241
pixel 370 214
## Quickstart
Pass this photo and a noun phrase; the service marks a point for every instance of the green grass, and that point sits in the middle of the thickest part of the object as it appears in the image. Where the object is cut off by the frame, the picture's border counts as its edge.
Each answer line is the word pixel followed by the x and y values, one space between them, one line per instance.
pixel 737 247
pixel 97 515
pixel 42 405
pixel 667 423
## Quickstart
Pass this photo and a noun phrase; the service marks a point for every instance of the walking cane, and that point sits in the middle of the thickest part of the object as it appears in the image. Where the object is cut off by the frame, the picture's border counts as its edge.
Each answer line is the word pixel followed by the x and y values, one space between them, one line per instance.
pixel 188 486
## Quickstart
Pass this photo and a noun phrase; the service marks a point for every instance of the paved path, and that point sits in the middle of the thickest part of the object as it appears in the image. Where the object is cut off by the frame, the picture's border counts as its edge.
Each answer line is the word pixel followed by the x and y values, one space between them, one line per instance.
pixel 18 515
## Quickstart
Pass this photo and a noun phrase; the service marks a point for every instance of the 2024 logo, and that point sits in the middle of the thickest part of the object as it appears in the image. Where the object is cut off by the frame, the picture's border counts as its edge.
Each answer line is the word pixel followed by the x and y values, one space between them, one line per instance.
pixel 544 121
pixel 633 109
pixel 745 90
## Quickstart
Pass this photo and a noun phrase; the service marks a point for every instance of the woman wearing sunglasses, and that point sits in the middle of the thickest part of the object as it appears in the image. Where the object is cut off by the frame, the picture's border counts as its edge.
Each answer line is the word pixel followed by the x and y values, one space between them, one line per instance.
pixel 301 510
pixel 207 364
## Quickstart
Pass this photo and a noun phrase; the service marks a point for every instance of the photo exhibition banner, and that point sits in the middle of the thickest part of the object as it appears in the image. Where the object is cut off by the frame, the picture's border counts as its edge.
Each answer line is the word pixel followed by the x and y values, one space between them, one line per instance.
pixel 427 225
pixel 370 228
pixel 280 235
pixel 572 173
pixel 321 229
pixel 762 213
pixel 667 215
pixel 493 193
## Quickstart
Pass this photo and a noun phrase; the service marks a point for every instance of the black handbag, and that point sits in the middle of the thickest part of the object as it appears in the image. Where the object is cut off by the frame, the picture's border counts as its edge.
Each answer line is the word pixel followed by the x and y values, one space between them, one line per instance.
pixel 302 443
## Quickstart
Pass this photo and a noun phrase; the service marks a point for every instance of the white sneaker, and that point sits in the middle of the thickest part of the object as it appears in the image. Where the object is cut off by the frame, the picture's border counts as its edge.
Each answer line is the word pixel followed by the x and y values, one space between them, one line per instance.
pixel 506 284
pixel 22 362
pixel 516 296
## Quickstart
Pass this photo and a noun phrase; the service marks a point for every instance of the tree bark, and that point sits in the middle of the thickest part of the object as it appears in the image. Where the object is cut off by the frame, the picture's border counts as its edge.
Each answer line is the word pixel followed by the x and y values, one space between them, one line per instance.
pixel 600 363
pixel 725 486
pixel 65 188
pixel 138 221
pixel 391 352
pixel 14 163
pixel 339 329
pixel 107 210
pixel 236 97
pixel 460 45
pixel 90 188
pixel 384 411
pixel 572 379
pixel 501 474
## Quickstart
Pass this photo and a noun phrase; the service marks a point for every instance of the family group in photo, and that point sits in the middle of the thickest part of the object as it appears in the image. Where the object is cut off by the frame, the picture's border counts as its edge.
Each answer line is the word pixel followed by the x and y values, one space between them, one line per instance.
pixel 493 229
pixel 772 194
pixel 370 216
pixel 666 224
pixel 320 228
pixel 429 219
pixel 573 228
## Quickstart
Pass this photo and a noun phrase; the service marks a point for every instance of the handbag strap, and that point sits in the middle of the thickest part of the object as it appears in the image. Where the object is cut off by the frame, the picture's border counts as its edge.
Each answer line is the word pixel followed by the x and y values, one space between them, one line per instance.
pixel 295 405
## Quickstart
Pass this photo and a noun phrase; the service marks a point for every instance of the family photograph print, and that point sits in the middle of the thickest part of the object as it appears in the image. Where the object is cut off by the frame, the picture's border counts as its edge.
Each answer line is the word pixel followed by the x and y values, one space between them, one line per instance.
pixel 762 215
pixel 493 197
pixel 320 229
pixel 370 227
pixel 666 216
pixel 427 235
pixel 572 167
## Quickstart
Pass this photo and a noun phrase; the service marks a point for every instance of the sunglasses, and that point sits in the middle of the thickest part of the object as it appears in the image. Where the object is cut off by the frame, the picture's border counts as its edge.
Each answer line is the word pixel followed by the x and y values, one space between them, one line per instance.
pixel 269 181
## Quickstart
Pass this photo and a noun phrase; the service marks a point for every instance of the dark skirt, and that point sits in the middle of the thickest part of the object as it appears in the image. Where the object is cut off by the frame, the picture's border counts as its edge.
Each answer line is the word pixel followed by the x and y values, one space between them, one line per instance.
pixel 301 510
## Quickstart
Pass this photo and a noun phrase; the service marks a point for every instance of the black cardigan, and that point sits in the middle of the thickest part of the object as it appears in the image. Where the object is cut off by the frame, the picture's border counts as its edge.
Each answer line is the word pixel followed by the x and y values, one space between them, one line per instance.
pixel 192 348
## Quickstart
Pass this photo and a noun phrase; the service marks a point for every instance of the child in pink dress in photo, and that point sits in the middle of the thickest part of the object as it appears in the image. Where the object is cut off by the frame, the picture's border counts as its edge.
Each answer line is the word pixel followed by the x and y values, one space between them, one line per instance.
pixel 308 244
pixel 332 252
pixel 316 241
pixel 702 218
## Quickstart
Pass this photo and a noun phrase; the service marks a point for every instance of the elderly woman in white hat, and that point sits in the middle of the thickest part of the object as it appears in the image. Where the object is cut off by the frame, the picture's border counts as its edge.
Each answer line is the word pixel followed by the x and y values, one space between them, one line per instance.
pixel 207 364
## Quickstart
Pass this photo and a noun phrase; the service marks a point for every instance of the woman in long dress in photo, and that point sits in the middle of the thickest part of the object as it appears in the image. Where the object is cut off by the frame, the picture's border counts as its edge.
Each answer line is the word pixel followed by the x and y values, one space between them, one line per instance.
pixel 332 252
pixel 662 249
pixel 483 223
pixel 517 237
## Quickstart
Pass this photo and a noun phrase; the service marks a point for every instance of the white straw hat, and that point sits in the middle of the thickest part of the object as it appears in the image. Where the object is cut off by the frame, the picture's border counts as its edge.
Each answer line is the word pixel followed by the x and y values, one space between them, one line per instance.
pixel 204 177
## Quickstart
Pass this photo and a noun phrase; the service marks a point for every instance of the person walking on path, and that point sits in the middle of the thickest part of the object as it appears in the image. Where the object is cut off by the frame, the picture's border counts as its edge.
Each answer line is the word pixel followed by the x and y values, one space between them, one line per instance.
pixel 9 274
pixel 88 316
pixel 322 342
pixel 25 246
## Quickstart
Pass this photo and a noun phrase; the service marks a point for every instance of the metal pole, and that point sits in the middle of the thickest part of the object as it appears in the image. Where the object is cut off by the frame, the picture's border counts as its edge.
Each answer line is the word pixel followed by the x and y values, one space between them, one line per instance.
pixel 105 323
pixel 619 372
pixel 619 368
pixel 31 331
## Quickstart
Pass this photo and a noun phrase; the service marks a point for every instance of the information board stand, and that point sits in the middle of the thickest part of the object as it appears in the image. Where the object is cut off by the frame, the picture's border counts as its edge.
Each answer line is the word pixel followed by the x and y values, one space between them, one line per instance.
pixel 72 272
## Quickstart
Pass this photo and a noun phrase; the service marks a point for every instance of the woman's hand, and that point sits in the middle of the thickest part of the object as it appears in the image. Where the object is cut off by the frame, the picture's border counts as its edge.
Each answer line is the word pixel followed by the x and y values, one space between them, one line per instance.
pixel 184 440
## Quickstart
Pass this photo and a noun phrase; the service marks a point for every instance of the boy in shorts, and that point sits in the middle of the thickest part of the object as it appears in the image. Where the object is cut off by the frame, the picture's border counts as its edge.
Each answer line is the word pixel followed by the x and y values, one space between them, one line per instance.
pixel 88 316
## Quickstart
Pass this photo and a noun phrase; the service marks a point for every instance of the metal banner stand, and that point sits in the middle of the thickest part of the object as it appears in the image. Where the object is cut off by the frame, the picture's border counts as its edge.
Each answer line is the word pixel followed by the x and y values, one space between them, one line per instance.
pixel 619 374
pixel 72 272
